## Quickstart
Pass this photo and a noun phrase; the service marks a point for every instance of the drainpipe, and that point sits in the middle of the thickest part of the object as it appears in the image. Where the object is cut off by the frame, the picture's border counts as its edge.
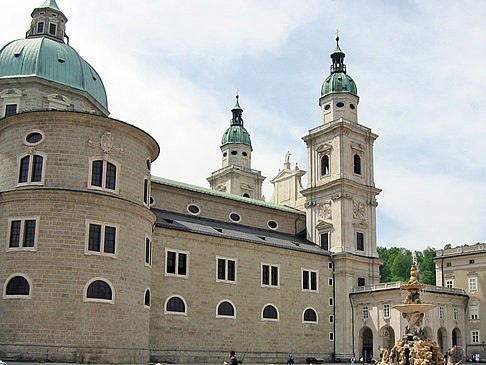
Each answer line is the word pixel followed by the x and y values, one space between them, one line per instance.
pixel 442 271
pixel 334 309
pixel 352 323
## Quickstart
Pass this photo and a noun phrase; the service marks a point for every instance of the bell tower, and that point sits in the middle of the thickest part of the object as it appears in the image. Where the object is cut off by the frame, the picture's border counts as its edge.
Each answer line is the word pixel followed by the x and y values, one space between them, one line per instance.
pixel 341 194
pixel 236 175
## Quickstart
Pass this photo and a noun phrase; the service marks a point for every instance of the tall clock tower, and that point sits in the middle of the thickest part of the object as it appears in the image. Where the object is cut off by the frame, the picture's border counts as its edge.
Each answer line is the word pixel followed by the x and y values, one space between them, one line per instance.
pixel 341 194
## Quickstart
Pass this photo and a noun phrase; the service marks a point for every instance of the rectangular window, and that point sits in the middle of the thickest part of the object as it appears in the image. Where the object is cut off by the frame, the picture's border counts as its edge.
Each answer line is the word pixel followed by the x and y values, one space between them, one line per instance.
pixel 448 264
pixel 473 284
pixel 226 269
pixel 455 314
pixel 475 336
pixel 330 282
pixel 40 27
pixel 441 312
pixel 331 318
pixel 269 275
pixel 101 238
pixel 361 282
pixel 331 301
pixel 103 174
pixel 31 169
pixel 325 241
pixel 359 241
pixel 146 194
pixel 309 280
pixel 331 336
pixel 148 251
pixel 330 265
pixel 474 311
pixel 366 312
pixel 472 261
pixel 52 29
pixel 449 283
pixel 386 310
pixel 176 263
pixel 22 234
pixel 10 109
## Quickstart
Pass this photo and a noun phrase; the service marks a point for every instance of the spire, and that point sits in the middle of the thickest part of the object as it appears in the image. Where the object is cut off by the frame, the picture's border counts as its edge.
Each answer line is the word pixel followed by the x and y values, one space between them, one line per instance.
pixel 51 4
pixel 338 59
pixel 237 111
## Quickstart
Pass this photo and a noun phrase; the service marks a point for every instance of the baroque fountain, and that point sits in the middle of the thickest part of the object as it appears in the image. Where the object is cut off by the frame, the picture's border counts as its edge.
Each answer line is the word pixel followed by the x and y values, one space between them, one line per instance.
pixel 414 348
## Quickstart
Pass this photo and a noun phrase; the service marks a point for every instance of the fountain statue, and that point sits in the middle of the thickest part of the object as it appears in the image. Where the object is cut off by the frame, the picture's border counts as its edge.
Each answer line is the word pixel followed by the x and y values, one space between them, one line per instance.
pixel 414 348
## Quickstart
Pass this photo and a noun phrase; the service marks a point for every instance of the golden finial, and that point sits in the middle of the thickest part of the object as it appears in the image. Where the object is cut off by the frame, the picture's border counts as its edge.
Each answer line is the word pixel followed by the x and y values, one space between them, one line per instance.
pixel 337 35
pixel 237 93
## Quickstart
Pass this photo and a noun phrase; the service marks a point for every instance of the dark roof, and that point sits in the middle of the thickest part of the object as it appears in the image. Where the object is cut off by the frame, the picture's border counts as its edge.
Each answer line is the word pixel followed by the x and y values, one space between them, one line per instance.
pixel 234 231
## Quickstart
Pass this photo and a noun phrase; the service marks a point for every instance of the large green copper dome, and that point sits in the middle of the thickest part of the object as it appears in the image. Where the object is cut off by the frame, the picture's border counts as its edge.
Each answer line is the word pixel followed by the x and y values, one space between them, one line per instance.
pixel 338 81
pixel 236 133
pixel 53 61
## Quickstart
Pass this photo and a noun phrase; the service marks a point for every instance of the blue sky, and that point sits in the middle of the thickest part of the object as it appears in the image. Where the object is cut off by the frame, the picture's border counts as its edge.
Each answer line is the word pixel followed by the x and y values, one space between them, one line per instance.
pixel 172 69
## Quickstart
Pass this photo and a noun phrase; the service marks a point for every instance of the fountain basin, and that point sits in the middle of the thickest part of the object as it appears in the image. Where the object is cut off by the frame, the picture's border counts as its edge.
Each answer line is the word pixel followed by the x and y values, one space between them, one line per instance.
pixel 414 308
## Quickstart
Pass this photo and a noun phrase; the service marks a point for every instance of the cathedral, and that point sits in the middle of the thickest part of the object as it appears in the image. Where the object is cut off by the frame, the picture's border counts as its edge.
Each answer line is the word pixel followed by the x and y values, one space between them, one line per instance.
pixel 105 262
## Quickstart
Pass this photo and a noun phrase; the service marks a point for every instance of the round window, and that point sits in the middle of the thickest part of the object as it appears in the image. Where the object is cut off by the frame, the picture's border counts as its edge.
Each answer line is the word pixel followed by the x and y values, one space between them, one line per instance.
pixel 193 209
pixel 272 224
pixel 234 153
pixel 225 154
pixel 244 154
pixel 235 217
pixel 327 107
pixel 352 106
pixel 34 138
pixel 340 105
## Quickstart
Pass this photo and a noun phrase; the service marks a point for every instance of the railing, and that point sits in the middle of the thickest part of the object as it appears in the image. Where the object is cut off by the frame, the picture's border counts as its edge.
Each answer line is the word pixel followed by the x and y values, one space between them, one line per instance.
pixel 463 249
pixel 397 284
pixel 339 121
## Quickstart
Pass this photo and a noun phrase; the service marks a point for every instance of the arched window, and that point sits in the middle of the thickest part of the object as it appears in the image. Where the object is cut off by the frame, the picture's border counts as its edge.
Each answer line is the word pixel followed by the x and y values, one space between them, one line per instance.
pixel 357 164
pixel 146 300
pixel 99 290
pixel 226 309
pixel 325 165
pixel 270 312
pixel 310 315
pixel 31 169
pixel 17 286
pixel 175 305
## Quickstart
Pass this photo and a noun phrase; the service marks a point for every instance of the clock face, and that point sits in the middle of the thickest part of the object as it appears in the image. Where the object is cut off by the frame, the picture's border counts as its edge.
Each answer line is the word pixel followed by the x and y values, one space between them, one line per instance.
pixel 358 210
pixel 325 211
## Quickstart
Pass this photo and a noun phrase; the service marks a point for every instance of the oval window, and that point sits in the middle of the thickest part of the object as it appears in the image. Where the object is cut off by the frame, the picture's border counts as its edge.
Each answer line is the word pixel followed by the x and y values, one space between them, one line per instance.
pixel 352 106
pixel 34 138
pixel 225 154
pixel 327 107
pixel 272 224
pixel 235 217
pixel 244 154
pixel 193 209
pixel 340 105
pixel 234 153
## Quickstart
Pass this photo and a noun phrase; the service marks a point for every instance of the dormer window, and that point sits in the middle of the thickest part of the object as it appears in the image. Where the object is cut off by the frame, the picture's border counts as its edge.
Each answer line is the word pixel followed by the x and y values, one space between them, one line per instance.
pixel 40 27
pixel 52 29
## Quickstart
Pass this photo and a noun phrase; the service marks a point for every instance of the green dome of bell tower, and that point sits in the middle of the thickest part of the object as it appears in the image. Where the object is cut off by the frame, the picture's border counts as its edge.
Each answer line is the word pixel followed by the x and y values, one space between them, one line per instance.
pixel 236 133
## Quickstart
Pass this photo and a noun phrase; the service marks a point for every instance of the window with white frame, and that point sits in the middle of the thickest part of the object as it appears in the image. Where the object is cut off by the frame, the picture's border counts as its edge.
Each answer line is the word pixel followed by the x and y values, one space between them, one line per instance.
pixel 175 305
pixel 225 309
pixel 386 310
pixel 225 270
pixel 176 263
pixel 474 311
pixel 146 298
pixel 473 284
pixel 103 175
pixel 310 280
pixel 269 313
pixel 475 336
pixel 99 290
pixel 148 250
pixel 101 238
pixel 309 316
pixel 330 282
pixel 331 318
pixel 449 283
pixel 31 169
pixel 17 286
pixel 270 276
pixel 455 314
pixel 366 312
pixel 331 301
pixel 22 233
pixel 441 312
pixel 331 336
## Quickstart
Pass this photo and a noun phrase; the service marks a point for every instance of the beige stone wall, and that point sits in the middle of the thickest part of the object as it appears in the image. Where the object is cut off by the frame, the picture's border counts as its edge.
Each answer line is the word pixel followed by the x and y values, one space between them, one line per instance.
pixel 200 330
pixel 176 200
pixel 68 150
pixel 35 93
pixel 455 267
pixel 59 269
